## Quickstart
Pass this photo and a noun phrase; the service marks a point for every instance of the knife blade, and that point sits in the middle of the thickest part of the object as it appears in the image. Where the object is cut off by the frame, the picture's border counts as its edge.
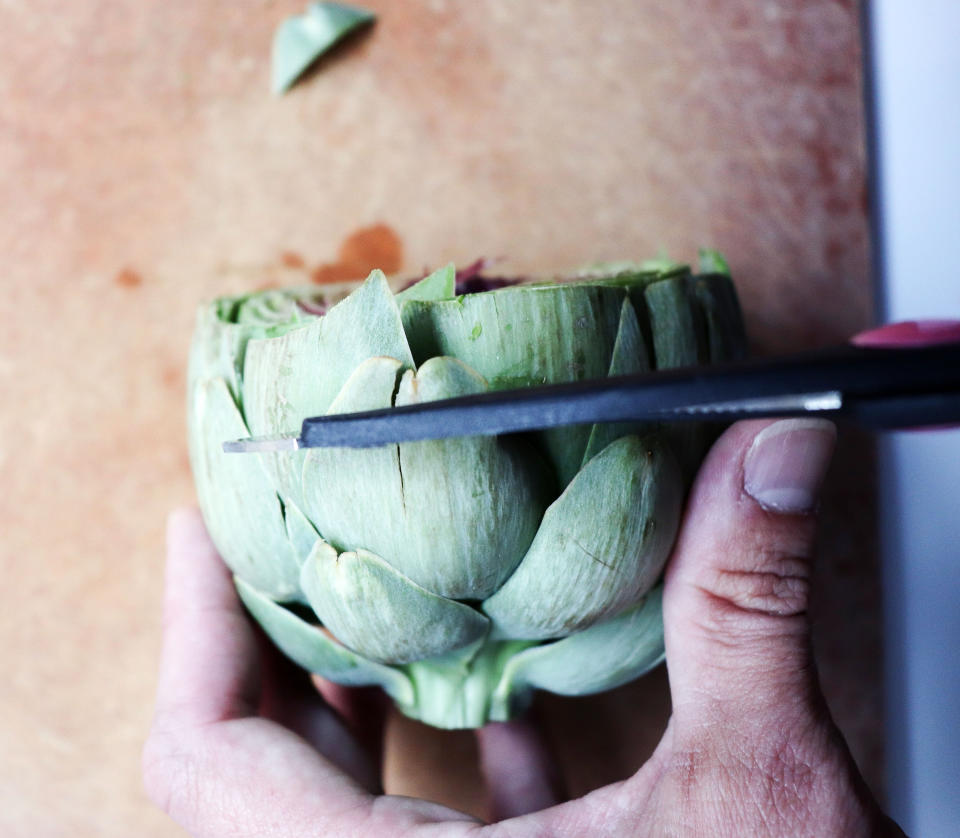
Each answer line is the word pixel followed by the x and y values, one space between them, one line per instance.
pixel 879 387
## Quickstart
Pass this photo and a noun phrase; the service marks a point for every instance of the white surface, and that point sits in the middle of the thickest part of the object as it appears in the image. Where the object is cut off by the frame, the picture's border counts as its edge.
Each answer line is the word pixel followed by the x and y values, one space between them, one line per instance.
pixel 917 82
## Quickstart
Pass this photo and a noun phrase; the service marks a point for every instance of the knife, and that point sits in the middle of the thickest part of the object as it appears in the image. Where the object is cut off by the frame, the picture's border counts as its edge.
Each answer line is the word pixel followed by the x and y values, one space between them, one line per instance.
pixel 878 387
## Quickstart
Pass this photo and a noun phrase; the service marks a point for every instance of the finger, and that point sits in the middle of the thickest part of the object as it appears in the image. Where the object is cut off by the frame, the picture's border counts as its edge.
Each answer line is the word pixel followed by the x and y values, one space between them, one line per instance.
pixel 209 662
pixel 289 698
pixel 209 762
pixel 206 762
pixel 735 600
pixel 910 333
pixel 215 666
pixel 363 710
pixel 520 772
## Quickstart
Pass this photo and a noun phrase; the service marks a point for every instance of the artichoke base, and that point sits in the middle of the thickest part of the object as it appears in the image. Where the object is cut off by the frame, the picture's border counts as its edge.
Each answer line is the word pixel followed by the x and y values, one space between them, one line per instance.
pixel 467 688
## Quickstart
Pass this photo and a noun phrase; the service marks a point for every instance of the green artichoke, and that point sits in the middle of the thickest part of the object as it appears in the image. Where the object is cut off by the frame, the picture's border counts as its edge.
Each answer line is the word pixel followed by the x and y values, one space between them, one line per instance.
pixel 459 575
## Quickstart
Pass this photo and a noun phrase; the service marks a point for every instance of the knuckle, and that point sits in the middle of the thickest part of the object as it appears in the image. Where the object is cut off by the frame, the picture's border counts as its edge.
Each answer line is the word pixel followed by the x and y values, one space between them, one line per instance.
pixel 764 571
pixel 768 592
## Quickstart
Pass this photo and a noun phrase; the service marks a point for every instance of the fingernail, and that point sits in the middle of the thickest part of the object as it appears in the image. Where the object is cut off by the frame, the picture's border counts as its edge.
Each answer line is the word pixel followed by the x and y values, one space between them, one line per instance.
pixel 786 464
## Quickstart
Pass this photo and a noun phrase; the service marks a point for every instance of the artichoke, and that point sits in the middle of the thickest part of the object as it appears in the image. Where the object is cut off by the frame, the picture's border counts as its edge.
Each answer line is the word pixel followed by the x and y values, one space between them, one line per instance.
pixel 459 575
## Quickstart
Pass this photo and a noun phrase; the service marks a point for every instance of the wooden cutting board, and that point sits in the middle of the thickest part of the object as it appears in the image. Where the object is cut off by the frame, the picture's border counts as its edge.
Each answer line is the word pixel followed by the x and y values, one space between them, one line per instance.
pixel 144 168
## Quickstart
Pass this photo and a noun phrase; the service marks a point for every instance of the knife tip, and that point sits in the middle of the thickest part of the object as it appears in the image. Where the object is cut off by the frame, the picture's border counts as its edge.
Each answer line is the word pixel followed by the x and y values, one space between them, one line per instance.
pixel 261 445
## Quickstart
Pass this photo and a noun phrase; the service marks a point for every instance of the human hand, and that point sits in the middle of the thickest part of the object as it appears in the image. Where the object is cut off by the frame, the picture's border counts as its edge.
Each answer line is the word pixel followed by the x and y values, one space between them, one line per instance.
pixel 241 750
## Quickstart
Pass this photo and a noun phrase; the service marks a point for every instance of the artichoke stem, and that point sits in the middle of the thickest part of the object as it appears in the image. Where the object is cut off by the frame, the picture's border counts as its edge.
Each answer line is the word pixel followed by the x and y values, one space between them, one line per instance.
pixel 455 690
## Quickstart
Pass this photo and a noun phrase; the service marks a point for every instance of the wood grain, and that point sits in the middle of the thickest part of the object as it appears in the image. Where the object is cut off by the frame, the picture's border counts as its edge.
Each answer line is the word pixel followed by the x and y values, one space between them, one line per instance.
pixel 144 168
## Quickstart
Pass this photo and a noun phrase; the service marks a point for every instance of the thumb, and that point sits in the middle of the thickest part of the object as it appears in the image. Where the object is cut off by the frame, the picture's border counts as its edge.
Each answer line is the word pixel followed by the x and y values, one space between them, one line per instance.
pixel 735 601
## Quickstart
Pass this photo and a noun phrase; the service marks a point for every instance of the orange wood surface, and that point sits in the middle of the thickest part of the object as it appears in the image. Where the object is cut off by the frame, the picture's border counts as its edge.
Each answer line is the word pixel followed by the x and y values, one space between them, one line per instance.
pixel 144 168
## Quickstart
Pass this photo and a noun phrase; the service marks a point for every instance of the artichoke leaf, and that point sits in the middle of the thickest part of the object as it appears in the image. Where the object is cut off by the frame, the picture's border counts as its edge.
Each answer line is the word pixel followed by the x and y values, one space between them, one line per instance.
pixel 679 334
pixel 629 356
pixel 601 657
pixel 308 647
pixel 298 374
pixel 371 385
pixel 379 613
pixel 521 335
pixel 301 533
pixel 218 347
pixel 601 546
pixel 726 335
pixel 342 487
pixel 226 326
pixel 679 340
pixel 525 336
pixel 241 508
pixel 455 516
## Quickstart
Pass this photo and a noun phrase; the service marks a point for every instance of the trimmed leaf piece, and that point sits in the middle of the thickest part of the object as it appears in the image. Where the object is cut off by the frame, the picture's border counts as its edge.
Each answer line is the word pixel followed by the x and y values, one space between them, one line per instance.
pixel 598 658
pixel 240 506
pixel 296 375
pixel 378 612
pixel 300 40
pixel 601 546
pixel 455 516
pixel 629 356
pixel 440 285
pixel 307 646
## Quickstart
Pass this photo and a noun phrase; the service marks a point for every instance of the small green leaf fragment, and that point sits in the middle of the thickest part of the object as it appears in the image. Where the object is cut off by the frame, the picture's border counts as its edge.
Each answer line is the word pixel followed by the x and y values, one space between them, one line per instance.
pixel 300 40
